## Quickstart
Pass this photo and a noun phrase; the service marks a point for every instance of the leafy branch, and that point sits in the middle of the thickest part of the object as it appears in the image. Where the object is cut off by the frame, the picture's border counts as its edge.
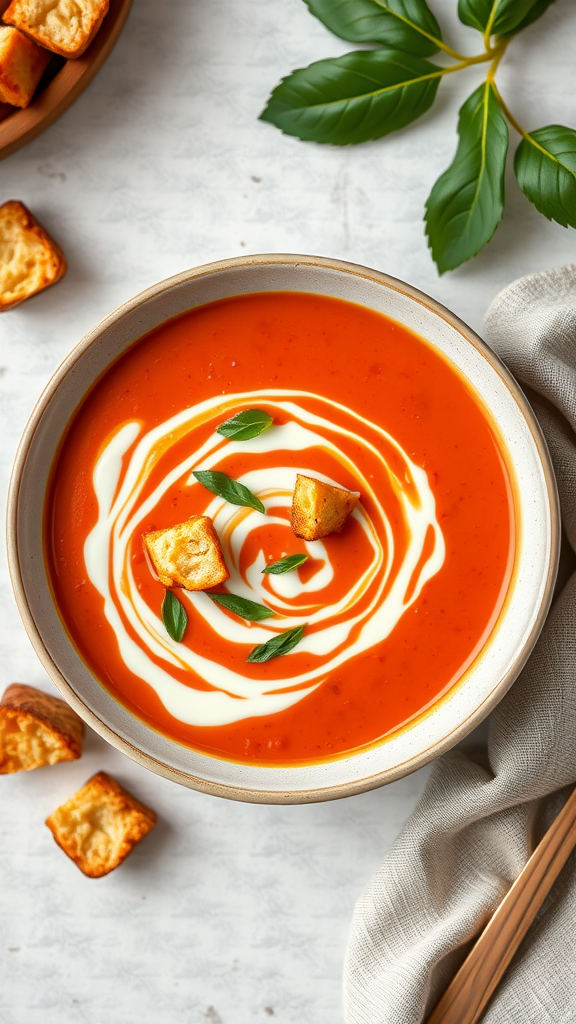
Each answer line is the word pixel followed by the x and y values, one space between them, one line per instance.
pixel 367 94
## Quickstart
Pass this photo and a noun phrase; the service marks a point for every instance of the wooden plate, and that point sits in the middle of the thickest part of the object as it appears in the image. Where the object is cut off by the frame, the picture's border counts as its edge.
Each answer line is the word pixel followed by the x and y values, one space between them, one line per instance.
pixel 62 83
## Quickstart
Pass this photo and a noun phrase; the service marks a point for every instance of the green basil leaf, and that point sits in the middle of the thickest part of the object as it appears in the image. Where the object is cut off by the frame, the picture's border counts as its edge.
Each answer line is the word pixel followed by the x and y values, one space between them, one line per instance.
pixel 231 490
pixel 402 24
pixel 246 425
pixel 280 644
pixel 466 203
pixel 545 166
pixel 174 616
pixel 240 606
pixel 497 17
pixel 360 96
pixel 540 7
pixel 285 564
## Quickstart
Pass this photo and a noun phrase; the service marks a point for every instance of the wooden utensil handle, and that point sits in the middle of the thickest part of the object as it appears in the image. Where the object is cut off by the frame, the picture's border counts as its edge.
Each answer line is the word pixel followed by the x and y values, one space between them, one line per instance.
pixel 466 997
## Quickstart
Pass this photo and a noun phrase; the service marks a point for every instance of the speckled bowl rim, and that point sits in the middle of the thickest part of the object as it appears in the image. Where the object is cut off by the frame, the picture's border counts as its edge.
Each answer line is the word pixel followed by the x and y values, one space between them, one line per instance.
pixel 242 793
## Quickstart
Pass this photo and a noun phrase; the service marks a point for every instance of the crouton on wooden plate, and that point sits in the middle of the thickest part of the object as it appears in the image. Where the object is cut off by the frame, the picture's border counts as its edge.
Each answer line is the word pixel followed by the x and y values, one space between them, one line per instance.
pixel 29 259
pixel 188 555
pixel 319 509
pixel 99 826
pixel 22 63
pixel 36 729
pixel 66 27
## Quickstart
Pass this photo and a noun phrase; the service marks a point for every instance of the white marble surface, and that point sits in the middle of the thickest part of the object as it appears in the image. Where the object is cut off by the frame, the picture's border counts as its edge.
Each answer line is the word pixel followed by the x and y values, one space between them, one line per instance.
pixel 226 914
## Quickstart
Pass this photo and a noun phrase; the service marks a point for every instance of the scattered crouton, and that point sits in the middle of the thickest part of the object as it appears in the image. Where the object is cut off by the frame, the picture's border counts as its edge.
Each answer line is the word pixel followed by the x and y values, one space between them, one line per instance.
pixel 99 826
pixel 66 27
pixel 36 729
pixel 29 259
pixel 319 509
pixel 188 555
pixel 22 64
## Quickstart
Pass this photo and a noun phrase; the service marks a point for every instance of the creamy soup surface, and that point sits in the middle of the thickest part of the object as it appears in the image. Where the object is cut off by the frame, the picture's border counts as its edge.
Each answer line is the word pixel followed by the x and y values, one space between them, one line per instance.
pixel 396 606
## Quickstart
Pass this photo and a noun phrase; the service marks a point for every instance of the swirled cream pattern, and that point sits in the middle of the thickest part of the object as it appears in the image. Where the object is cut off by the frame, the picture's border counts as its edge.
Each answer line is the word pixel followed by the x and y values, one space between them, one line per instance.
pixel 396 513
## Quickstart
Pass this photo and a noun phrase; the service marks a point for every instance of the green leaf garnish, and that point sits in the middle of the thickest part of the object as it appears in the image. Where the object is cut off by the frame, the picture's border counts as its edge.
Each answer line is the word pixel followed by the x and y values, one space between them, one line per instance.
pixel 403 24
pixel 494 17
pixel 280 644
pixel 174 616
pixel 359 96
pixel 534 13
pixel 246 425
pixel 466 203
pixel 231 490
pixel 285 564
pixel 368 94
pixel 545 166
pixel 240 606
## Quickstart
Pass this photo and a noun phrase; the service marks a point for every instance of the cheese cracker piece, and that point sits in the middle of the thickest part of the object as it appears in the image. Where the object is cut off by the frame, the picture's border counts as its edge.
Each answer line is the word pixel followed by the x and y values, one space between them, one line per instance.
pixel 22 64
pixel 66 27
pixel 188 555
pixel 100 825
pixel 29 259
pixel 36 729
pixel 319 509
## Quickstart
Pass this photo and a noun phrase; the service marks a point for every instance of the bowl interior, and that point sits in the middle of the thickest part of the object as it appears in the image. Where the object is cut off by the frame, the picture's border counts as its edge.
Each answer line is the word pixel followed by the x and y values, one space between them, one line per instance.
pixel 486 680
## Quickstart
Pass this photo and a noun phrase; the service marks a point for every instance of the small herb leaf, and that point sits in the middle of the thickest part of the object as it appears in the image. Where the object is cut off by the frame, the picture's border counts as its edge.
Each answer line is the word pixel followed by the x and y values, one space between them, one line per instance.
pixel 403 24
pixel 229 489
pixel 545 166
pixel 174 616
pixel 280 644
pixel 496 17
pixel 285 564
pixel 466 203
pixel 362 95
pixel 246 425
pixel 540 7
pixel 240 606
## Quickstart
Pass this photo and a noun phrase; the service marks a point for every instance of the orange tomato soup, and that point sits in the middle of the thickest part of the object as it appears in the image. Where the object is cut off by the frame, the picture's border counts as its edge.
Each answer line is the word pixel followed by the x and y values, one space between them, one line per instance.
pixel 397 605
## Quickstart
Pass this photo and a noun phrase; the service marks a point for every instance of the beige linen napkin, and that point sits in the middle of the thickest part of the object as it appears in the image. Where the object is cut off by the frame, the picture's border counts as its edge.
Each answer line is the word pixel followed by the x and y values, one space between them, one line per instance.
pixel 474 828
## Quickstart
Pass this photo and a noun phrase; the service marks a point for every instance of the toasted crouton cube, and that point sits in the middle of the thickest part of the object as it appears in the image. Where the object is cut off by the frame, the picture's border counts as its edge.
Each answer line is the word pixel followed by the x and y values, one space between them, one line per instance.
pixel 22 63
pixel 66 27
pixel 319 509
pixel 29 259
pixel 36 729
pixel 188 555
pixel 99 826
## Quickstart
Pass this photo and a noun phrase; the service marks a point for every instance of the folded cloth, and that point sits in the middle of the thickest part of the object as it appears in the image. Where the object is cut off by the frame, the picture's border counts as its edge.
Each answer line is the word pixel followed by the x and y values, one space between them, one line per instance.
pixel 475 827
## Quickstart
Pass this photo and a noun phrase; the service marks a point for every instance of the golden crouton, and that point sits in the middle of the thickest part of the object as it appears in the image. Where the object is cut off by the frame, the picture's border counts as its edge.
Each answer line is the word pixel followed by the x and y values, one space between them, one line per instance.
pixel 66 27
pixel 29 260
pixel 22 63
pixel 36 729
pixel 188 555
pixel 99 826
pixel 319 509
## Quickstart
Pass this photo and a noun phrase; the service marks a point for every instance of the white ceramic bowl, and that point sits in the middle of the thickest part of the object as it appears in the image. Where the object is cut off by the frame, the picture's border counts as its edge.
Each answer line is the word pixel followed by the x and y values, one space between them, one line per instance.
pixel 493 671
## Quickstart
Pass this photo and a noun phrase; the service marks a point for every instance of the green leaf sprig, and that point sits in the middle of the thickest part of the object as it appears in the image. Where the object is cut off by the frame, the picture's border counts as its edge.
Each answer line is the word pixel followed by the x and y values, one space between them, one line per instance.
pixel 367 94
pixel 250 610
pixel 229 489
pixel 246 425
pixel 285 564
pixel 280 644
pixel 174 616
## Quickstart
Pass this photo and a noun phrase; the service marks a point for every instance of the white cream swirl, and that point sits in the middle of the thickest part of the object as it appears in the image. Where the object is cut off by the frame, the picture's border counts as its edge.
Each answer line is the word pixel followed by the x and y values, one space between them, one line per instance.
pixel 402 532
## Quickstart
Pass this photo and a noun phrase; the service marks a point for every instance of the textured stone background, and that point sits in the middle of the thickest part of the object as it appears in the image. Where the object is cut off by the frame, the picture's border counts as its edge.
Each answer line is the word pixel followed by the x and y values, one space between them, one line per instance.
pixel 226 914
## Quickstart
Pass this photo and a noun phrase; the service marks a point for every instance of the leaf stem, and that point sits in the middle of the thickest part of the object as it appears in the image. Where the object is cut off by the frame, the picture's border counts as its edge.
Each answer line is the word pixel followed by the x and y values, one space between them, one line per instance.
pixel 489 24
pixel 508 114
pixel 494 54
pixel 447 49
